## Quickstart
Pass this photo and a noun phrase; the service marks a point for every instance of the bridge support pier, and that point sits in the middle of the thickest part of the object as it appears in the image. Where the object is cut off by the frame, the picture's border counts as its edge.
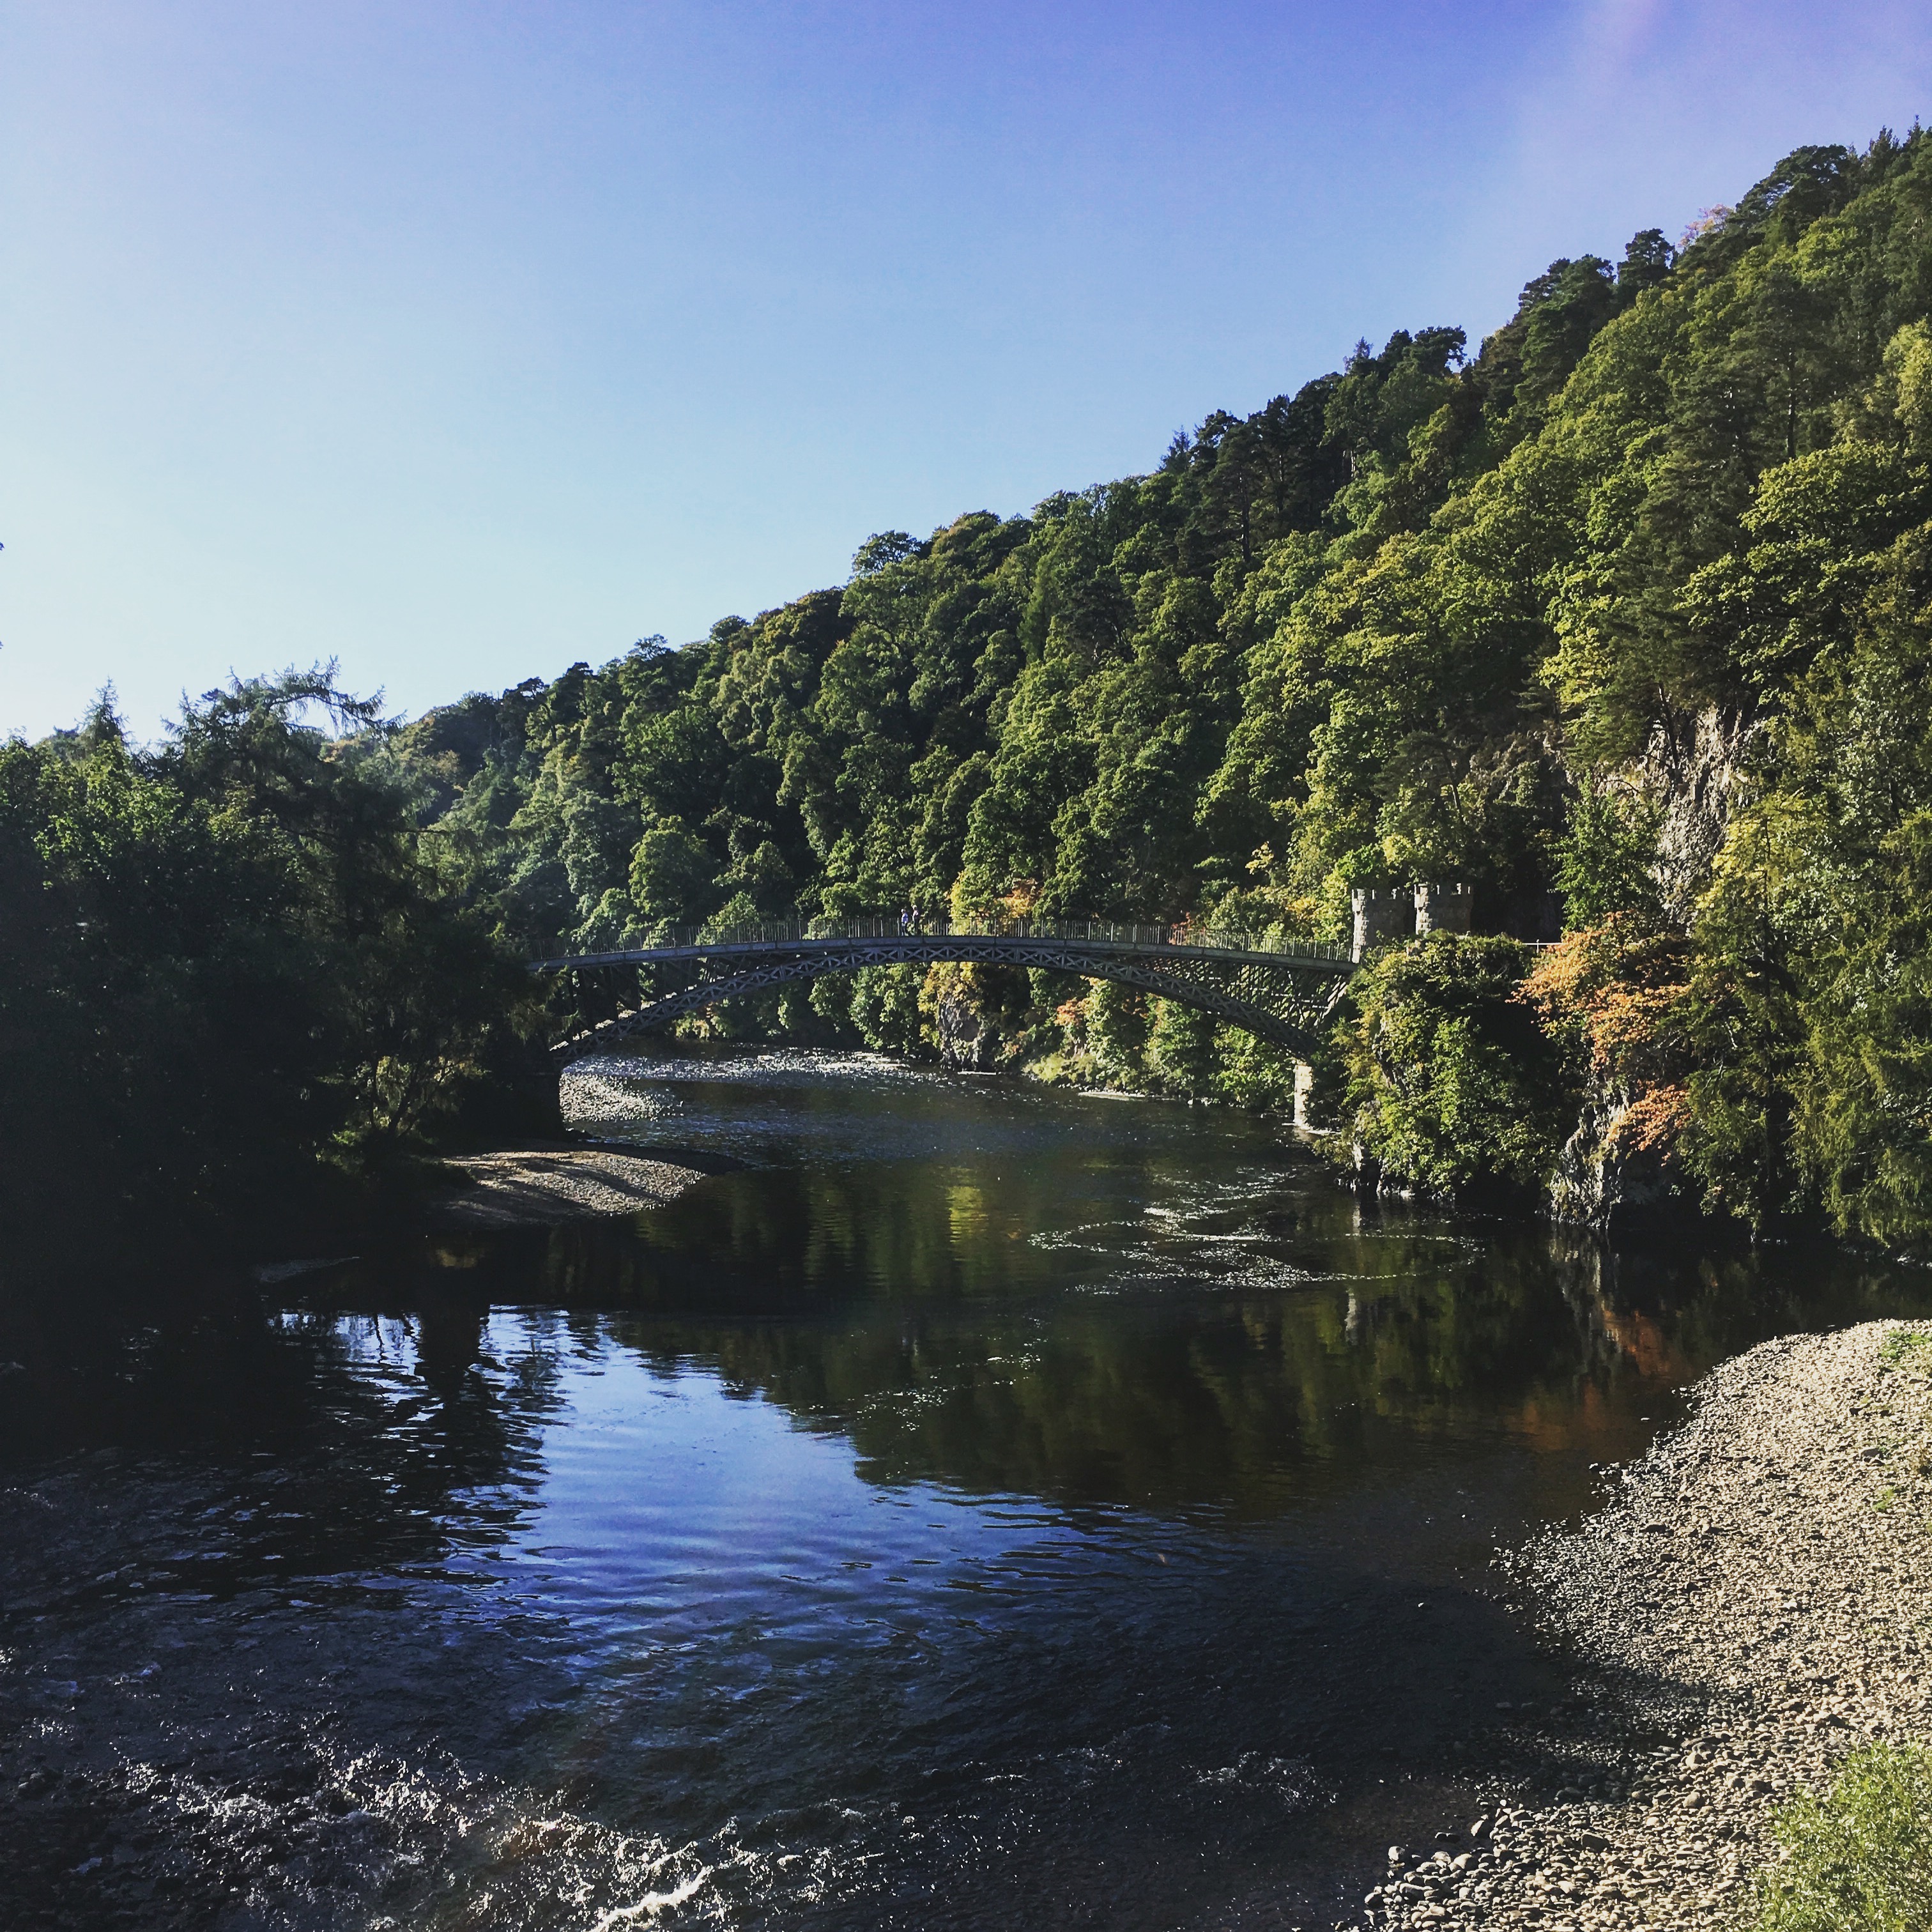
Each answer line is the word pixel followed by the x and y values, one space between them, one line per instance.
pixel 1304 1094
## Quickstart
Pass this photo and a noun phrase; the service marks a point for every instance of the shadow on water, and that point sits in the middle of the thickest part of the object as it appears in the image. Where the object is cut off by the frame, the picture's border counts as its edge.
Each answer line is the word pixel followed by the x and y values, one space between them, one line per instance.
pixel 986 1507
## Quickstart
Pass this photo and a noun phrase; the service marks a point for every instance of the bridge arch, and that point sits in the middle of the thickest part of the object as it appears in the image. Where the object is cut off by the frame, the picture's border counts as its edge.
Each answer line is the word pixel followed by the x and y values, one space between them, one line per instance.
pixel 1283 992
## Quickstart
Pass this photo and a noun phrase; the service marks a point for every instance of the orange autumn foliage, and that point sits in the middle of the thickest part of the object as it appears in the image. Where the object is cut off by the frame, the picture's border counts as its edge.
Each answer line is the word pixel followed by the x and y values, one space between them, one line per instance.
pixel 1616 992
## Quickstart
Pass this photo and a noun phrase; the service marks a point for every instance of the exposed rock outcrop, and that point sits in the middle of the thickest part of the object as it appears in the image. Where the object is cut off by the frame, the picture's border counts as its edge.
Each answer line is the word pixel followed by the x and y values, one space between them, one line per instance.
pixel 1691 769
pixel 960 1030
pixel 1603 1175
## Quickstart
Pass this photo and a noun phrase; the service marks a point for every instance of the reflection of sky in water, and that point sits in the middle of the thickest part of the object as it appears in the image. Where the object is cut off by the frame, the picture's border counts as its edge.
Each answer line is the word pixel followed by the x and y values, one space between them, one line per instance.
pixel 803 1691
pixel 666 1501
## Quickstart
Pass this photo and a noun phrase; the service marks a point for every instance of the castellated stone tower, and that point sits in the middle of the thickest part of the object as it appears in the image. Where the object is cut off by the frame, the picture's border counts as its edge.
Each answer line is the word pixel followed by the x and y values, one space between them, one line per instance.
pixel 1441 909
pixel 1381 916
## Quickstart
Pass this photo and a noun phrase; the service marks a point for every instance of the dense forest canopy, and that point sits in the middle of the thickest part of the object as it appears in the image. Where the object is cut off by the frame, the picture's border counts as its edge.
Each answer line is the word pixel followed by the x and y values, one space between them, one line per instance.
pixel 1620 620
pixel 1406 622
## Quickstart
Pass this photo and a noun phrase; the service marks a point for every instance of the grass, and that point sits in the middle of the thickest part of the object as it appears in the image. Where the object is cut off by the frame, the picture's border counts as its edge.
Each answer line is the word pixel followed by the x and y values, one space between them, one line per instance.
pixel 1860 1859
pixel 1905 1345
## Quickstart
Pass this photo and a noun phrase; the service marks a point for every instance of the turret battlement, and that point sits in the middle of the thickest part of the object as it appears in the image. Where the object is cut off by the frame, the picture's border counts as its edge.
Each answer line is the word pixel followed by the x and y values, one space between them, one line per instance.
pixel 1441 908
pixel 1381 916
pixel 1396 912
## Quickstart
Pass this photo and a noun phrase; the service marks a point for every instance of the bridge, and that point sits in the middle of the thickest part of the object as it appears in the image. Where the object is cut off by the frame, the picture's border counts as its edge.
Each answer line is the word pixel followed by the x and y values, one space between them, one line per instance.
pixel 1281 989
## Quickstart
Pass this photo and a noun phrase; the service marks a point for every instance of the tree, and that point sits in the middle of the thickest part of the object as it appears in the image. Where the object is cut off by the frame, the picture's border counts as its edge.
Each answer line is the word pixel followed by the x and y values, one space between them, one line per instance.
pixel 226 972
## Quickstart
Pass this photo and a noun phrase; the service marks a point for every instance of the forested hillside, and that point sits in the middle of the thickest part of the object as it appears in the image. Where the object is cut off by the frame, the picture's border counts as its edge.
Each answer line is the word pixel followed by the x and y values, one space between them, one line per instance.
pixel 1622 620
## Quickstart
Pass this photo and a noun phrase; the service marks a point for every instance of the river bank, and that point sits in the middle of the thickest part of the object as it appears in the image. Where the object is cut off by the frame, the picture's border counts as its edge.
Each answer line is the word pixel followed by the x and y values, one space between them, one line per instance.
pixel 1748 1609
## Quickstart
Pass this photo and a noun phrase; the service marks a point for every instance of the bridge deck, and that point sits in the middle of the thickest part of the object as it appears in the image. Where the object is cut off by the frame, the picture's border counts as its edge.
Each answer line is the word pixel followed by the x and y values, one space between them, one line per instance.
pixel 1103 939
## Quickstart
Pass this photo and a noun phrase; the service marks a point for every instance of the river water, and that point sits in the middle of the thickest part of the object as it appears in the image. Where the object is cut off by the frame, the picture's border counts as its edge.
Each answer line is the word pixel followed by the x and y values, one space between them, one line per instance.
pixel 969 1505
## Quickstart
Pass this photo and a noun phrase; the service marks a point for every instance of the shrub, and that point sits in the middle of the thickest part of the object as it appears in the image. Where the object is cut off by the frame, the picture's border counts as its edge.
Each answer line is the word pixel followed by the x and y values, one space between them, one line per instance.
pixel 1452 1082
pixel 1860 1859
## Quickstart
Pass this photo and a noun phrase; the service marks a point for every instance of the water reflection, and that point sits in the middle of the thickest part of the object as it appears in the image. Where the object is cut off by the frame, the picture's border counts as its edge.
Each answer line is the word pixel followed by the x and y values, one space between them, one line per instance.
pixel 977 1507
pixel 1095 1303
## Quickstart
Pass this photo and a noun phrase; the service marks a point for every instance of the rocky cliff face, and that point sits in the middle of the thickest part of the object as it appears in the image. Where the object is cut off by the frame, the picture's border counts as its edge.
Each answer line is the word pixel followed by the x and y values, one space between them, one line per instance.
pixel 1603 1176
pixel 960 1030
pixel 1692 768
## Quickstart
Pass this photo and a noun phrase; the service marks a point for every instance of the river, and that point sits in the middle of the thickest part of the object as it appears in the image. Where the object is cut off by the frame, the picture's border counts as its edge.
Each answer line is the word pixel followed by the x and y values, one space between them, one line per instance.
pixel 971 1505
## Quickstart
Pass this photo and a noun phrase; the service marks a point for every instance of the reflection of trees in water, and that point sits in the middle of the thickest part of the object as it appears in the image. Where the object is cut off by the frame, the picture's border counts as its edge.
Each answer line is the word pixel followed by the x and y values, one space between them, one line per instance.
pixel 1161 1400
pixel 1667 1310
pixel 785 1240
pixel 336 1442
pixel 448 1443
pixel 908 1310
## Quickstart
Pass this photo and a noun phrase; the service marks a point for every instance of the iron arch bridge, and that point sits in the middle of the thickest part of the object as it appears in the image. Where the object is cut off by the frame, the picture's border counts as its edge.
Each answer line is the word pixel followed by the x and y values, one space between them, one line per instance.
pixel 1281 990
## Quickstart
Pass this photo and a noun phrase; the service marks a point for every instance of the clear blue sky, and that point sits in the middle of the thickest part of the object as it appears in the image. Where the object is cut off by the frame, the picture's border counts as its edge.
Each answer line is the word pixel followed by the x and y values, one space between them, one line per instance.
pixel 459 341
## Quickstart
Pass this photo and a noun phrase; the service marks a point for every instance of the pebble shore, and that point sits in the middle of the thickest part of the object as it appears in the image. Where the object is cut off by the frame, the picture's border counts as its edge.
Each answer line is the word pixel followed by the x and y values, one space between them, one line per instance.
pixel 1751 1606
pixel 533 1187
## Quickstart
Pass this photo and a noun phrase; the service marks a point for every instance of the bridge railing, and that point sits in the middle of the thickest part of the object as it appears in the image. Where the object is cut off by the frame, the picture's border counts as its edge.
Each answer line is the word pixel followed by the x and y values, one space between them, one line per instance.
pixel 696 938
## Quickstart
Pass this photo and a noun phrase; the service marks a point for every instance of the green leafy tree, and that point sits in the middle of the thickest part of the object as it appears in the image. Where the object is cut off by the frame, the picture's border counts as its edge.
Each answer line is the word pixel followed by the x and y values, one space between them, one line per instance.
pixel 226 973
pixel 1451 1081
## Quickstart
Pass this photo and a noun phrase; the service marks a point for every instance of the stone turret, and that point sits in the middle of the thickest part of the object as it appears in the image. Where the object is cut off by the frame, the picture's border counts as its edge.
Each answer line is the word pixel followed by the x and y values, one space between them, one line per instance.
pixel 1441 909
pixel 1381 916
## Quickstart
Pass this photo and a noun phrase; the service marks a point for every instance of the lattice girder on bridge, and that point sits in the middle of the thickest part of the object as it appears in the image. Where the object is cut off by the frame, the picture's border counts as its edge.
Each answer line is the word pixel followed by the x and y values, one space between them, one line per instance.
pixel 1283 994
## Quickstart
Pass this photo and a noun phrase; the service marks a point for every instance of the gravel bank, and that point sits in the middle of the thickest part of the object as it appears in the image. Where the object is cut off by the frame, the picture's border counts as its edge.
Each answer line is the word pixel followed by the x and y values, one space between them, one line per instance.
pixel 533 1186
pixel 1751 1606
